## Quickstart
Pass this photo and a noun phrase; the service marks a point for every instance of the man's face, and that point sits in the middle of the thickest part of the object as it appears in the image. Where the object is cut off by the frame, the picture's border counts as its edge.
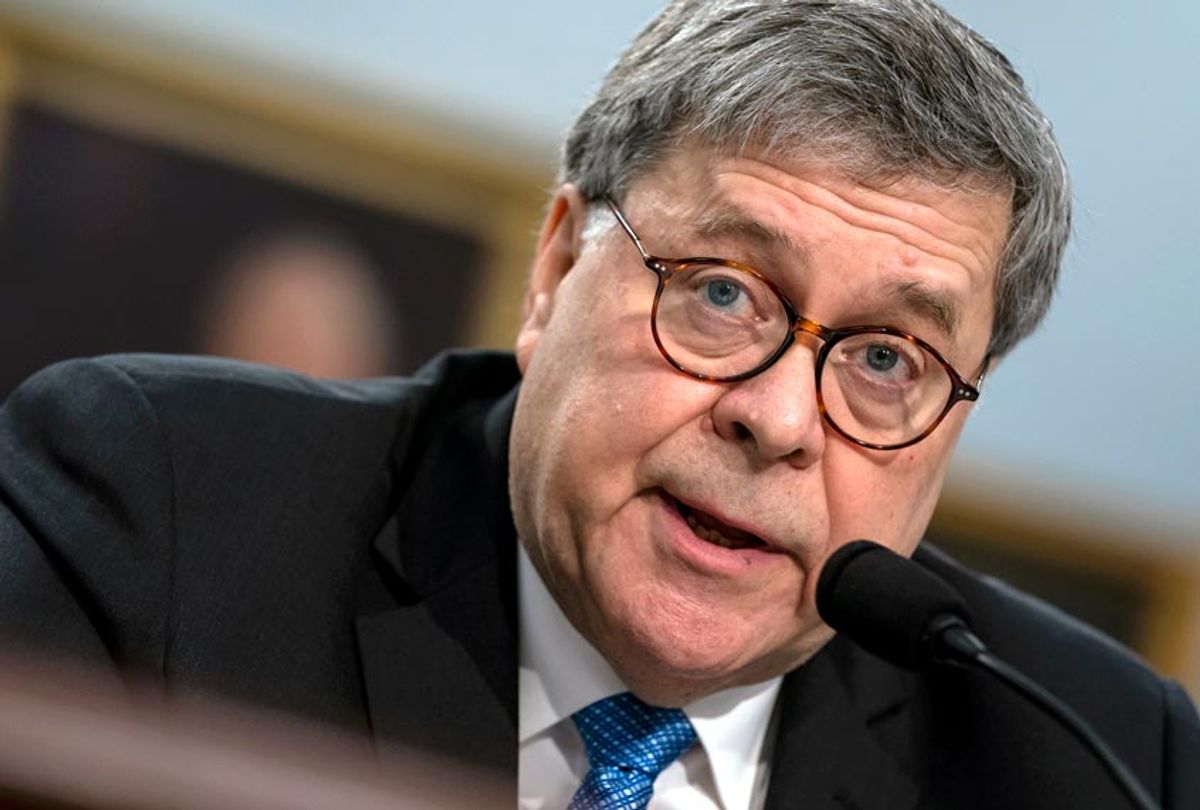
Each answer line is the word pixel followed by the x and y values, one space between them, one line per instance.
pixel 611 447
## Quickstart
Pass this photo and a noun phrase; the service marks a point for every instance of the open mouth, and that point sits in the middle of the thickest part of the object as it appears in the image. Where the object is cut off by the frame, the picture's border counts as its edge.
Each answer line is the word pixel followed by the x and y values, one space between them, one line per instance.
pixel 712 530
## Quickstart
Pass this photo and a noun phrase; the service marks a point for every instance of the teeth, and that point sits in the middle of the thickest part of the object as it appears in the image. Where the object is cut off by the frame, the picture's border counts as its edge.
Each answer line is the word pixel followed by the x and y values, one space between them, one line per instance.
pixel 711 535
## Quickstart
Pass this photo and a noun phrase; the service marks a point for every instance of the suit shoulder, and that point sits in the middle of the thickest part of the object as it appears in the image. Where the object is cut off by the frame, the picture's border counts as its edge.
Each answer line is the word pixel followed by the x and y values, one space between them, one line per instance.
pixel 86 515
pixel 193 420
pixel 92 389
pixel 1048 644
pixel 1149 721
pixel 1016 619
pixel 219 382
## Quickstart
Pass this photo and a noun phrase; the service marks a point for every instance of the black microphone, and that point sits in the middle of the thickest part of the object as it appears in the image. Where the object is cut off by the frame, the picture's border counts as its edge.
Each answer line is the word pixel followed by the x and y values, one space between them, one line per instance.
pixel 893 607
pixel 906 614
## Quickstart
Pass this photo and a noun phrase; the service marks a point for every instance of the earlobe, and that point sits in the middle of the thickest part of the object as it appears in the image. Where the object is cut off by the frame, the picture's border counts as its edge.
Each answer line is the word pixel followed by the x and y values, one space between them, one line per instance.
pixel 558 247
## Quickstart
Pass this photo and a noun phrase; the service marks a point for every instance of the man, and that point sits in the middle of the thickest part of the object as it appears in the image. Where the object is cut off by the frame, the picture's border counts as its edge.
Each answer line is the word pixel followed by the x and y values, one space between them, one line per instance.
pixel 880 213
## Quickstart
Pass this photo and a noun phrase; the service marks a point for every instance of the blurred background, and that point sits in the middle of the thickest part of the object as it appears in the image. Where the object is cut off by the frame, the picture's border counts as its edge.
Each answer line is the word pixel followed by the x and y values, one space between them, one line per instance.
pixel 345 187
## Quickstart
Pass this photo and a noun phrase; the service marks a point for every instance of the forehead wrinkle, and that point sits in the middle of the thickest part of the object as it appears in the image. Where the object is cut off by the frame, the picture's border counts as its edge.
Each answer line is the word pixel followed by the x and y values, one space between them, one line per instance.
pixel 888 219
pixel 948 236
pixel 929 303
pixel 918 223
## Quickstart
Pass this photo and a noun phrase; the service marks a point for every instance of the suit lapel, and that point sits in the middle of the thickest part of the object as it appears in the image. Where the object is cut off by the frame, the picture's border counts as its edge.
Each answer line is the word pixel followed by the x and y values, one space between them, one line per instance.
pixel 437 622
pixel 828 752
pixel 434 682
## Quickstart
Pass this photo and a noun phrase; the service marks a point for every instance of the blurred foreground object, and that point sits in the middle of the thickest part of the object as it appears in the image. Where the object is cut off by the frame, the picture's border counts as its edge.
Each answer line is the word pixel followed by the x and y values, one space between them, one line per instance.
pixel 73 743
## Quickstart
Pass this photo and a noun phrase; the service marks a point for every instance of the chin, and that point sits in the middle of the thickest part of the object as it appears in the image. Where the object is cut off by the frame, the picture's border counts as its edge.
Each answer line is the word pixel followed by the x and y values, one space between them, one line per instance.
pixel 673 657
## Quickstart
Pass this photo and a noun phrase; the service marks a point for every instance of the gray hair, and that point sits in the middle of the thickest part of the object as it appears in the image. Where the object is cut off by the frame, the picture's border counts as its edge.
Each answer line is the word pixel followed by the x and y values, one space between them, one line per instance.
pixel 883 88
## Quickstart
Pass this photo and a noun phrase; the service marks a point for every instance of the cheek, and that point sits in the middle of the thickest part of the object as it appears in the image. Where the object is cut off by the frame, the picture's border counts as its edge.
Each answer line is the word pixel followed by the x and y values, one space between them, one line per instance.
pixel 593 404
pixel 606 394
pixel 608 428
pixel 888 499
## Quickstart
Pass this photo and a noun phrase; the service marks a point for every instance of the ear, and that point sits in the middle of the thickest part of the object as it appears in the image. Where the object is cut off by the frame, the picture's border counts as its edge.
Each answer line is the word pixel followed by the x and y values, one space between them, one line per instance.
pixel 558 248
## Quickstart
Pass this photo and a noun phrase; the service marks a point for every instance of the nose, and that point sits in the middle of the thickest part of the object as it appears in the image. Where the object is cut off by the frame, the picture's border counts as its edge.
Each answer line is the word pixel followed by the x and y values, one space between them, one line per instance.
pixel 775 414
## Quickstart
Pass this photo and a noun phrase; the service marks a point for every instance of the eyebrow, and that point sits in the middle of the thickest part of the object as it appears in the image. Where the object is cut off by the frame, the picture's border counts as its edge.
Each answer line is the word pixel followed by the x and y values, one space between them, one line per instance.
pixel 936 306
pixel 723 222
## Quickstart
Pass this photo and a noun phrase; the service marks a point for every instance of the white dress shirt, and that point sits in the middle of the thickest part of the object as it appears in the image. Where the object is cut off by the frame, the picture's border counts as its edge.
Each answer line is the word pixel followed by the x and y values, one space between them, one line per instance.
pixel 561 673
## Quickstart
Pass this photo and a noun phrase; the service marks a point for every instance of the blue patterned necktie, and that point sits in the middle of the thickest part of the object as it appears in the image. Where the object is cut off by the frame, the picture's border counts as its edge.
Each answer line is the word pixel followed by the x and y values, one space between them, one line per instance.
pixel 629 743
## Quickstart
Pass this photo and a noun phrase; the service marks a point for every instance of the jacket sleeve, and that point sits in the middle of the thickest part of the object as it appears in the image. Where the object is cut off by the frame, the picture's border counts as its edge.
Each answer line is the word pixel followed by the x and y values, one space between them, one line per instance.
pixel 86 494
pixel 1181 764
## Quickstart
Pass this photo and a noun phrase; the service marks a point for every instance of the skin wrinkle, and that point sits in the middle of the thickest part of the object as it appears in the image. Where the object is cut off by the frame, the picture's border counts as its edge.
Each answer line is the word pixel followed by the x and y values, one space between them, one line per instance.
pixel 886 216
pixel 915 213
pixel 937 307
pixel 725 225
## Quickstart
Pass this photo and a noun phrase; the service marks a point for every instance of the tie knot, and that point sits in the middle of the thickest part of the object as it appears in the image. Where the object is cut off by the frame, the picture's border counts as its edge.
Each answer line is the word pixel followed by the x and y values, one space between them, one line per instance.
pixel 623 732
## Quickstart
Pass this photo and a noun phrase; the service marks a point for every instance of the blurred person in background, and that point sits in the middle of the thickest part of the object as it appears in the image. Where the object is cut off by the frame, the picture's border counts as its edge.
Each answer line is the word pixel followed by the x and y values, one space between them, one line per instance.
pixel 789 242
pixel 301 300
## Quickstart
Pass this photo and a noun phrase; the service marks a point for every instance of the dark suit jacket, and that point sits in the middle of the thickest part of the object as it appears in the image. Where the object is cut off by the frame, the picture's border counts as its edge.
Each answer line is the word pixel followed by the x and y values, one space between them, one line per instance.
pixel 345 551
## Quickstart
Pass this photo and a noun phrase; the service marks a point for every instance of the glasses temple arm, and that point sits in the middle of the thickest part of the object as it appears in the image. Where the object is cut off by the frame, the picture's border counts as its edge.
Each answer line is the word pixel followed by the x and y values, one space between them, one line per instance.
pixel 625 226
pixel 983 371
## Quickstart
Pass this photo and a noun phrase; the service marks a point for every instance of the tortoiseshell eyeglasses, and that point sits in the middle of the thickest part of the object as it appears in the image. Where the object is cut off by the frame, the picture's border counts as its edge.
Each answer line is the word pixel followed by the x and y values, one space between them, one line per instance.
pixel 723 321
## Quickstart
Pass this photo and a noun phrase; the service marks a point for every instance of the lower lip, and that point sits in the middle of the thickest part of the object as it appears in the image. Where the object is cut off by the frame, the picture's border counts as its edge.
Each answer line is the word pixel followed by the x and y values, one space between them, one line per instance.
pixel 708 557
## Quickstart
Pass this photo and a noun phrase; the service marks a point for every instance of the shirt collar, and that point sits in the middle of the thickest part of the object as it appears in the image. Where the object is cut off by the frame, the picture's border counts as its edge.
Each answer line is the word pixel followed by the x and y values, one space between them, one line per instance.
pixel 560 673
pixel 732 726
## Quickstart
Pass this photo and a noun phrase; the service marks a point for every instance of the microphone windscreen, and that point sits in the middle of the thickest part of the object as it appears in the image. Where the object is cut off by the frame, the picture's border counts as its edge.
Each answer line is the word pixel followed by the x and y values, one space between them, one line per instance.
pixel 884 602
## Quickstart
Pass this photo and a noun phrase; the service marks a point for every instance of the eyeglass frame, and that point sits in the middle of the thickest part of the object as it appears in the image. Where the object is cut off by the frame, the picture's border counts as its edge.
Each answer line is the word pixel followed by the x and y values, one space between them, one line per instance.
pixel 665 269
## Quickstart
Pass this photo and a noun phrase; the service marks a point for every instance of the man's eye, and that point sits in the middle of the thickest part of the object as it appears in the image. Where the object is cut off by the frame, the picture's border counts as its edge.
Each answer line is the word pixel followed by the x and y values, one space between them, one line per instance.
pixel 881 358
pixel 722 292
pixel 893 362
